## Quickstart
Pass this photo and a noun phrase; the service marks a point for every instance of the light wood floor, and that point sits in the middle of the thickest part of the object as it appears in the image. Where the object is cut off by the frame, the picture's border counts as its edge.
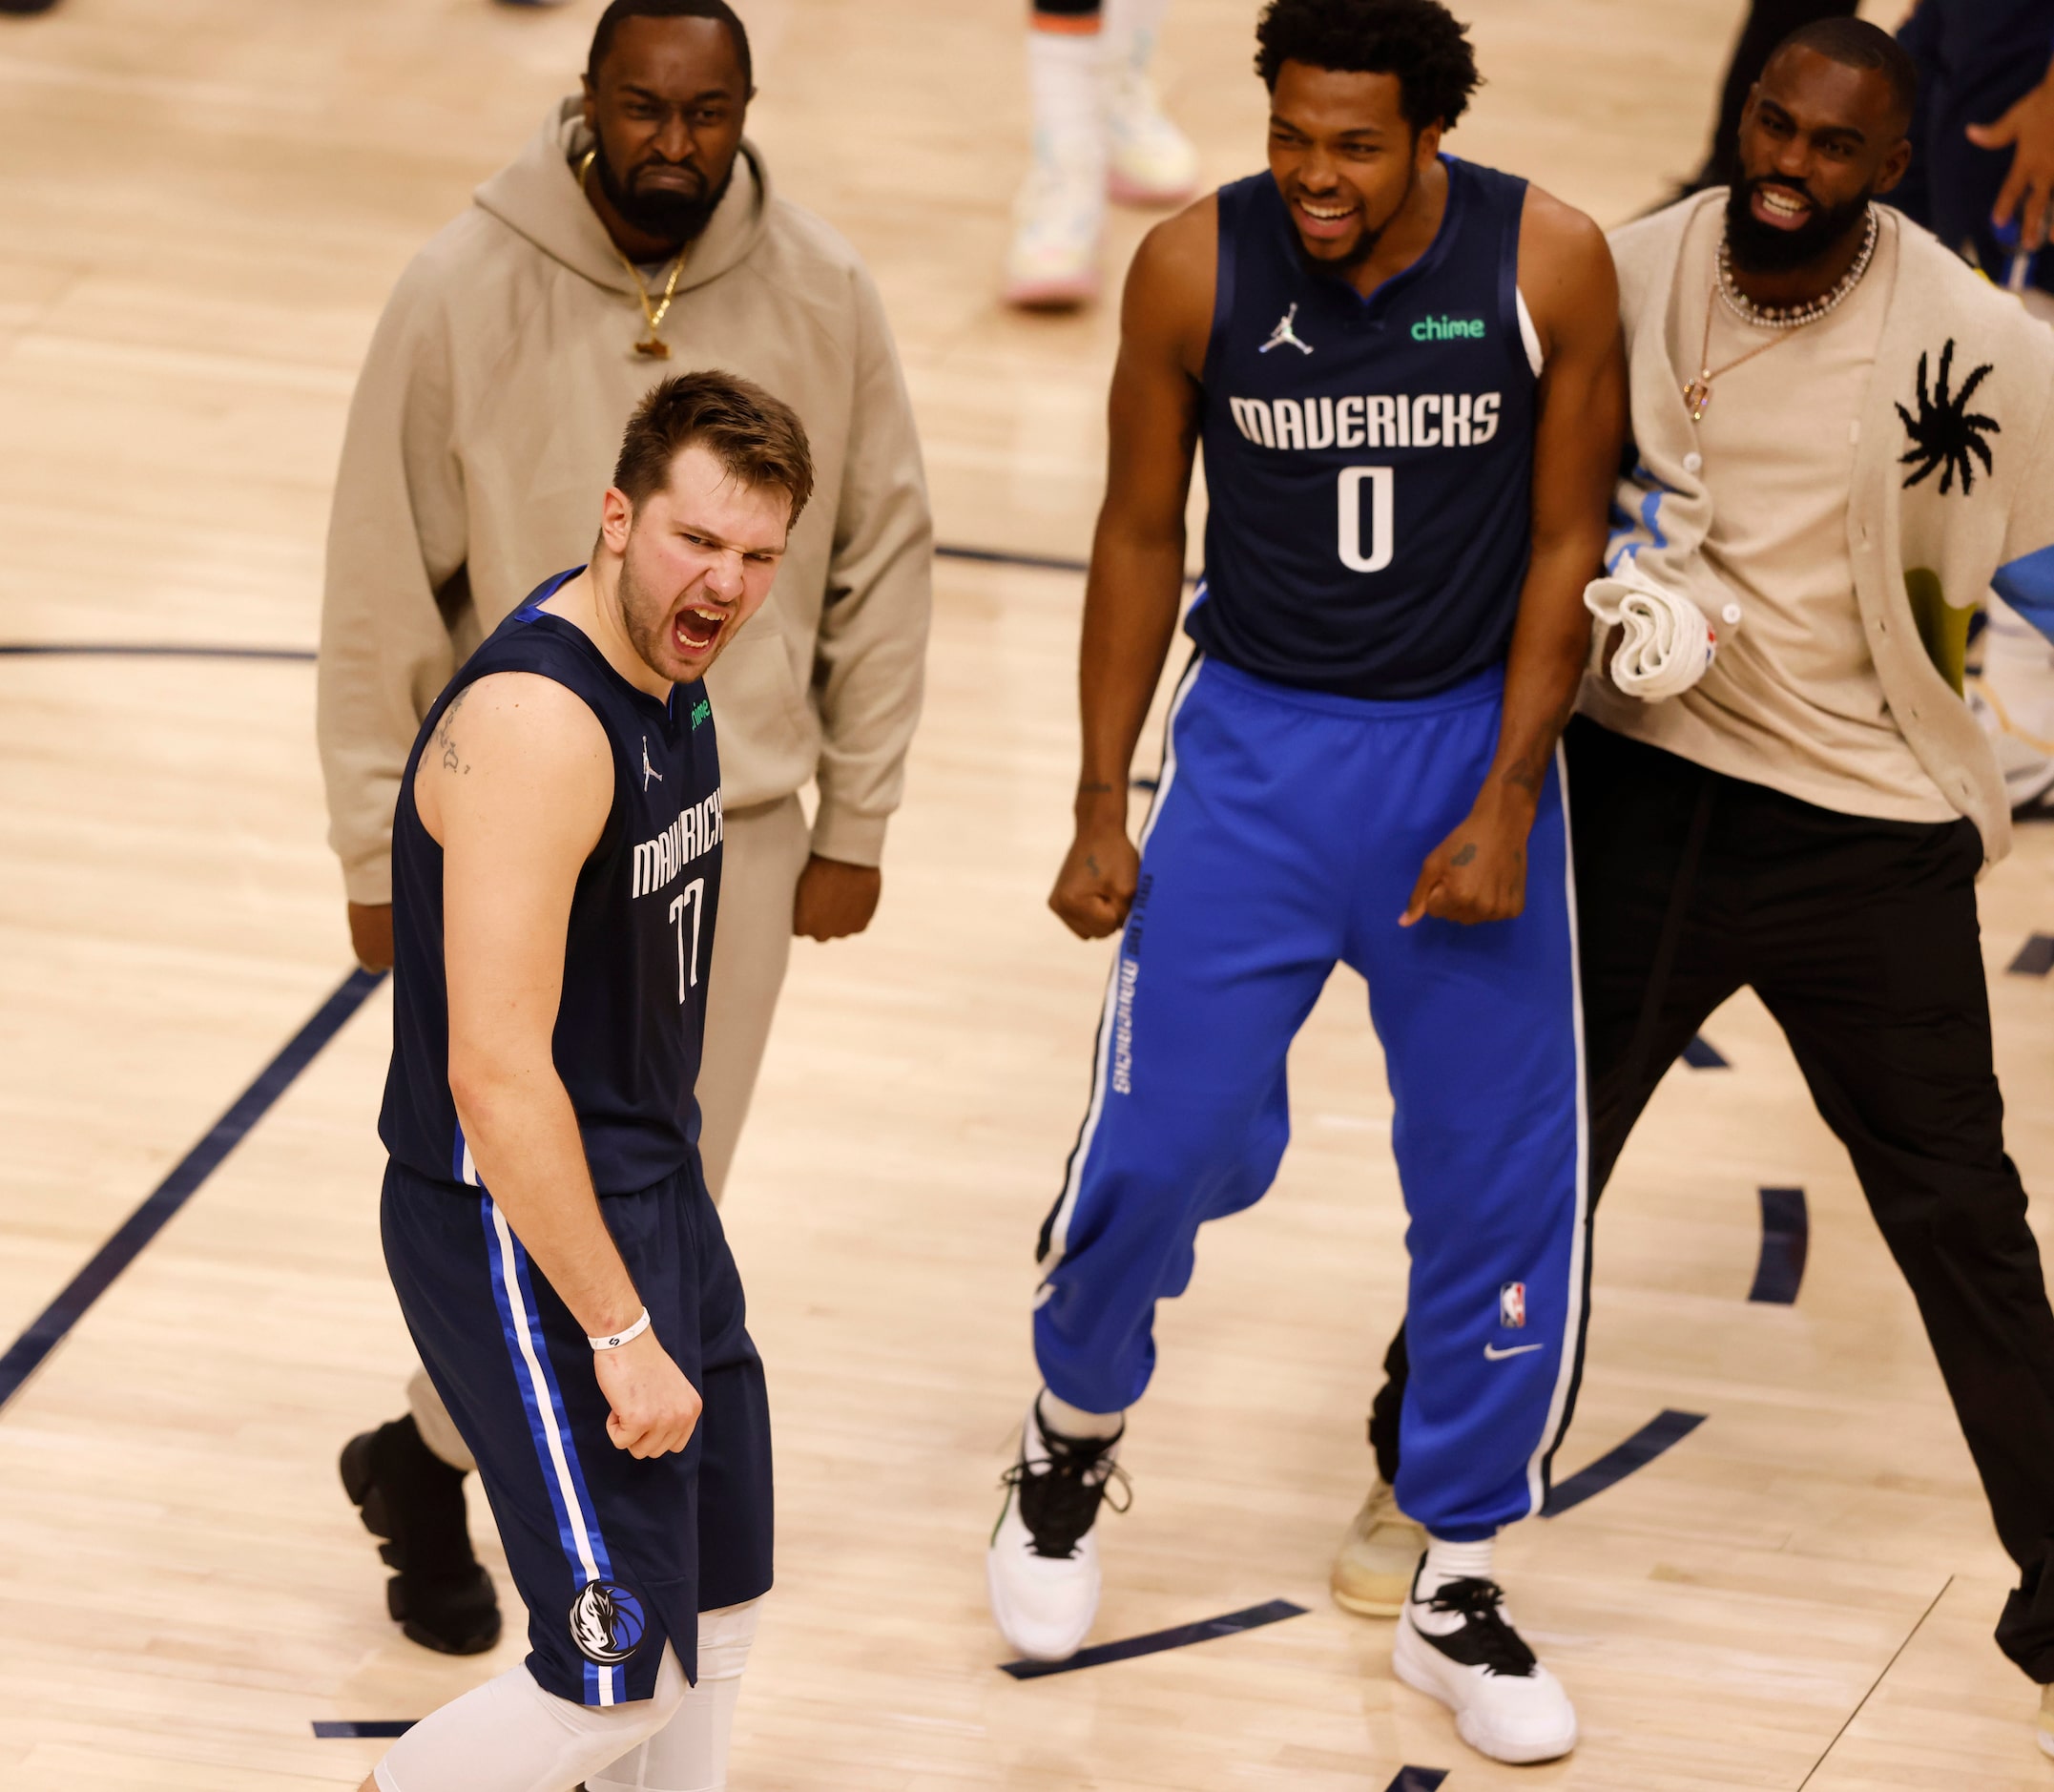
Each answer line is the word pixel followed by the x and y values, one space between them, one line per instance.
pixel 202 204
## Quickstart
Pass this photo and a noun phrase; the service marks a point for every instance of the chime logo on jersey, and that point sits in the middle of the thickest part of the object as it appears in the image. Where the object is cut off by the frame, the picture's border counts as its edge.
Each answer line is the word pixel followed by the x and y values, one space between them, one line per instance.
pixel 607 1623
pixel 1512 1306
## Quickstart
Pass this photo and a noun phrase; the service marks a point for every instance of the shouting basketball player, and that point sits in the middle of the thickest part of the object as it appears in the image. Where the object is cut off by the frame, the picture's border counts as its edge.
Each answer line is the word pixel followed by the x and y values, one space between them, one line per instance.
pixel 1407 376
pixel 556 869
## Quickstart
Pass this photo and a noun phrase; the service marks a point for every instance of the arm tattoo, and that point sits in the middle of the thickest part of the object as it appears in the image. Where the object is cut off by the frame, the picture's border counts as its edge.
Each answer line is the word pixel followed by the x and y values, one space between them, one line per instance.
pixel 1530 773
pixel 452 755
pixel 1094 790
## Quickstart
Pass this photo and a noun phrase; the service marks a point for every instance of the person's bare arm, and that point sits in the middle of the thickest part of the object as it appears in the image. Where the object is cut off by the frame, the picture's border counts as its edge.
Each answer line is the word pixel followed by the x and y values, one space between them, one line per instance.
pixel 516 785
pixel 1479 873
pixel 2027 131
pixel 1136 580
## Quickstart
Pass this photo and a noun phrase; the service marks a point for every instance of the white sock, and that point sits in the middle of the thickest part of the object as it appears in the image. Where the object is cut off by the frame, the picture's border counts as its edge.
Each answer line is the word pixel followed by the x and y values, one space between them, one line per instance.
pixel 1068 1421
pixel 1447 1561
pixel 1066 87
pixel 1130 31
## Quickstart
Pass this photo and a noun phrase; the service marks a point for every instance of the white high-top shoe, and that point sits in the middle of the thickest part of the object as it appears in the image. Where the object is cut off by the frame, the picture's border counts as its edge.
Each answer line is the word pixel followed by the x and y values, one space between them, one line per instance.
pixel 1149 160
pixel 1457 1645
pixel 1041 1567
pixel 1057 220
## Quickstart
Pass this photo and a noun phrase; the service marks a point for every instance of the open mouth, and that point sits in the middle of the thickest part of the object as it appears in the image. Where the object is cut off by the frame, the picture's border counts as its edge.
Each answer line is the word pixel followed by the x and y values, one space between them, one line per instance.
pixel 1780 207
pixel 695 628
pixel 1324 218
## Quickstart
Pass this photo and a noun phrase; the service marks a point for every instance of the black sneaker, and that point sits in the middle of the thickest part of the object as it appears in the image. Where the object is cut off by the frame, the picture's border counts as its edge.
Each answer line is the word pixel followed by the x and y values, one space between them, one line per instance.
pixel 1457 1645
pixel 440 1597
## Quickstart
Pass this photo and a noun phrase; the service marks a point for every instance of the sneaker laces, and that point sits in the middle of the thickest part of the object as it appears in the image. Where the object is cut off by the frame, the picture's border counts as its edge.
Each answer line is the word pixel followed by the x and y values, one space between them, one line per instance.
pixel 1059 1498
pixel 1488 1642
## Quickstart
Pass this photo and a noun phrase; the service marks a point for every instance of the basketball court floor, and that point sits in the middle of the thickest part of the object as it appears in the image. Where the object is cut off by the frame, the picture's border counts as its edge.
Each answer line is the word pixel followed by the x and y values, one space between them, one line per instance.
pixel 202 205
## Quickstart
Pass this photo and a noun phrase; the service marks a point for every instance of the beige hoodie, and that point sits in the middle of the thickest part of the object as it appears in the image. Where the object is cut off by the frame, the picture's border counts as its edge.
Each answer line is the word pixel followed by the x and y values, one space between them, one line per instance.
pixel 482 432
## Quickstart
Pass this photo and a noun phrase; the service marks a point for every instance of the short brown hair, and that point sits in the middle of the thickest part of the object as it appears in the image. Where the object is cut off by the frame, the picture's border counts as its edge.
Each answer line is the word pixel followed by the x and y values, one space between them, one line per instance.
pixel 758 438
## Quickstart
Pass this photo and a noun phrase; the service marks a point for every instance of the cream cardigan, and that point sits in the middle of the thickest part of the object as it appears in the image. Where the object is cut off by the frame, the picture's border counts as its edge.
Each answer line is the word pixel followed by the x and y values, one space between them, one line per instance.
pixel 1948 497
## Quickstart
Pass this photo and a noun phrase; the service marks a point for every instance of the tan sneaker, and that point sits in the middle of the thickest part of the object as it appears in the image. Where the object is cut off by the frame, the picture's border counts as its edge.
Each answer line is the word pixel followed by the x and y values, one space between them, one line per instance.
pixel 1373 1572
pixel 2045 1731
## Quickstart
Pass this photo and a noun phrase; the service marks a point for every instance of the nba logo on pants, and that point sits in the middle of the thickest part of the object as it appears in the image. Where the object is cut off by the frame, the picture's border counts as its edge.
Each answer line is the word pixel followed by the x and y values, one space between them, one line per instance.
pixel 1513 1305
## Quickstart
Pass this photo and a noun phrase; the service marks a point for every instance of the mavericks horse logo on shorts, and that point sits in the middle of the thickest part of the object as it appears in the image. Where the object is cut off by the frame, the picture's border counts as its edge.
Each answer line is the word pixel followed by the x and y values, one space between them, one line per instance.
pixel 1512 1306
pixel 606 1622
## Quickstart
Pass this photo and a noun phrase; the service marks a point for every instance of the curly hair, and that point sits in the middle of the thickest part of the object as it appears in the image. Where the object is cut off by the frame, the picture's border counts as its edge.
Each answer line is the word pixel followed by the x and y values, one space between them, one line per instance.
pixel 1419 41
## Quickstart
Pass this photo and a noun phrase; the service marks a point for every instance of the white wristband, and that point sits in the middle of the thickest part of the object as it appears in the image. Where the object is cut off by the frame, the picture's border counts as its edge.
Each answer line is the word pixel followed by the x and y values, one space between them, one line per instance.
pixel 614 1343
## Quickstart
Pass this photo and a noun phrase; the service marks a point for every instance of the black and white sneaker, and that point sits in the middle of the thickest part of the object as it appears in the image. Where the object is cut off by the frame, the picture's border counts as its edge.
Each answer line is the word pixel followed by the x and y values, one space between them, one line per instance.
pixel 1041 1567
pixel 1457 1645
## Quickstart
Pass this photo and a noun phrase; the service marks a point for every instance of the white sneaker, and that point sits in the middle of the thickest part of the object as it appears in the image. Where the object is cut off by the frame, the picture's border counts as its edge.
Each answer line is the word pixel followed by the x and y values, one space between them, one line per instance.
pixel 1041 1567
pixel 1053 261
pixel 1150 161
pixel 1459 1646
pixel 1380 1555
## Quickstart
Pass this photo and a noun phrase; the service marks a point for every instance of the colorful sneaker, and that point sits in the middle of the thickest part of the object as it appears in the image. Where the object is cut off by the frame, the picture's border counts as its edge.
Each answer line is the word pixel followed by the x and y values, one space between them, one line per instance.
pixel 1041 1567
pixel 1378 1557
pixel 1457 1645
pixel 1053 261
pixel 1149 161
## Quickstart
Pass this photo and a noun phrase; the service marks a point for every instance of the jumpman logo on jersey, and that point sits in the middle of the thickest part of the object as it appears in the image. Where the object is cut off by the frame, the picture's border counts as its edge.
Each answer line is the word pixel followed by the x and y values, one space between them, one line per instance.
pixel 649 771
pixel 1283 333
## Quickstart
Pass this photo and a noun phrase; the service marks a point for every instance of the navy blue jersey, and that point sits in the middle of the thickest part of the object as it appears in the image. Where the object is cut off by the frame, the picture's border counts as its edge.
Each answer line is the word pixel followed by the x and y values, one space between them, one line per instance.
pixel 1369 462
pixel 632 1014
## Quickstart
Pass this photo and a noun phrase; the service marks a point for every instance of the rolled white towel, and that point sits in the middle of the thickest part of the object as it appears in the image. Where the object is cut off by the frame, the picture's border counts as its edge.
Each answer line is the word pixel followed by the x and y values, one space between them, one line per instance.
pixel 1669 643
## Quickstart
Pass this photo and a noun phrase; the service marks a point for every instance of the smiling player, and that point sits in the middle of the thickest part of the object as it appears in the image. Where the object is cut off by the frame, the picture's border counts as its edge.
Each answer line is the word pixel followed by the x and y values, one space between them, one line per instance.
pixel 1406 375
pixel 557 861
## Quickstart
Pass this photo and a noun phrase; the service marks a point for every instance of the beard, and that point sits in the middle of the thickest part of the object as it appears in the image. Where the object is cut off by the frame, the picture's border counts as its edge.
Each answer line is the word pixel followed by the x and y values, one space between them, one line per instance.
pixel 645 618
pixel 665 213
pixel 1365 245
pixel 1759 248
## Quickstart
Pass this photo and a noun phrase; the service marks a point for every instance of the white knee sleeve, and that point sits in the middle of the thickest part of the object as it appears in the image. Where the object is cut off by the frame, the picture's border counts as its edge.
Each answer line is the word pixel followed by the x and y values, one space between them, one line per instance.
pixel 690 1753
pixel 510 1736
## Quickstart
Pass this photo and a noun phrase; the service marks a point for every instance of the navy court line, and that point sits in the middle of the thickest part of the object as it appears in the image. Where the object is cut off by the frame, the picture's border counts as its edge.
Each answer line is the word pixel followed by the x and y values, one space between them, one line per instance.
pixel 2036 958
pixel 1786 1236
pixel 330 1729
pixel 1155 1641
pixel 1006 556
pixel 1670 1427
pixel 1701 1054
pixel 1418 1779
pixel 145 649
pixel 46 1332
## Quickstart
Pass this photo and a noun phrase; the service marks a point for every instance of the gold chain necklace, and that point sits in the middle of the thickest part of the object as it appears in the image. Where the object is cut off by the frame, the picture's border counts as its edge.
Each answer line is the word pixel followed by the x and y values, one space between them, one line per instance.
pixel 1786 321
pixel 652 345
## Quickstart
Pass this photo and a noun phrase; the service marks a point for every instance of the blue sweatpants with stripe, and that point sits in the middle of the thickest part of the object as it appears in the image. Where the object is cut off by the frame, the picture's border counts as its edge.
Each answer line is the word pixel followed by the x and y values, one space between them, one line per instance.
pixel 613 1557
pixel 1288 830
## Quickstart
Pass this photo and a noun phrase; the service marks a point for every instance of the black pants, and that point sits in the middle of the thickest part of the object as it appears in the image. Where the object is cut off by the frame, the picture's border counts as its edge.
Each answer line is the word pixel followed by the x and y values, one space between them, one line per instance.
pixel 1860 937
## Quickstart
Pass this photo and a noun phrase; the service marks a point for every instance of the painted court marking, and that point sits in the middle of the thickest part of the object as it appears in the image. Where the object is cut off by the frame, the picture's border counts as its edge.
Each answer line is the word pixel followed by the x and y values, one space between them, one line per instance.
pixel 329 1729
pixel 1786 1235
pixel 1181 1636
pixel 2036 958
pixel 1701 1054
pixel 47 1330
pixel 1418 1779
pixel 1658 1434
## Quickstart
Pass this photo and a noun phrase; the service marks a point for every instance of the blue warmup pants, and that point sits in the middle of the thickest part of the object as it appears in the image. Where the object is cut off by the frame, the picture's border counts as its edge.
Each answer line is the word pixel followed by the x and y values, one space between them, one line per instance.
pixel 1287 833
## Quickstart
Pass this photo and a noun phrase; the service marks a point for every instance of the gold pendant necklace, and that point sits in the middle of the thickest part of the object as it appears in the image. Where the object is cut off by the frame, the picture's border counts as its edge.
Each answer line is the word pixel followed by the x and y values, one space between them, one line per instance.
pixel 652 345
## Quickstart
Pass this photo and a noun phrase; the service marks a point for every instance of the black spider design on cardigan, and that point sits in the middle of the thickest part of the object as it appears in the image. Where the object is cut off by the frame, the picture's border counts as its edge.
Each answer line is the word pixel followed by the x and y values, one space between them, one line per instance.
pixel 1946 436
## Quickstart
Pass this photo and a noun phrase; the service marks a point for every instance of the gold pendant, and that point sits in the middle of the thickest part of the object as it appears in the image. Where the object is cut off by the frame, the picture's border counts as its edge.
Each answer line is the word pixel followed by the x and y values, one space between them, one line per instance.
pixel 654 349
pixel 1697 395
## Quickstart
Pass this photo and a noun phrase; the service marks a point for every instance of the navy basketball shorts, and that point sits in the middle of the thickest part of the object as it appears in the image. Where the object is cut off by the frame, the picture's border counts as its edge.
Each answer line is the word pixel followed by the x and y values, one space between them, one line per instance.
pixel 613 1557
pixel 1287 833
